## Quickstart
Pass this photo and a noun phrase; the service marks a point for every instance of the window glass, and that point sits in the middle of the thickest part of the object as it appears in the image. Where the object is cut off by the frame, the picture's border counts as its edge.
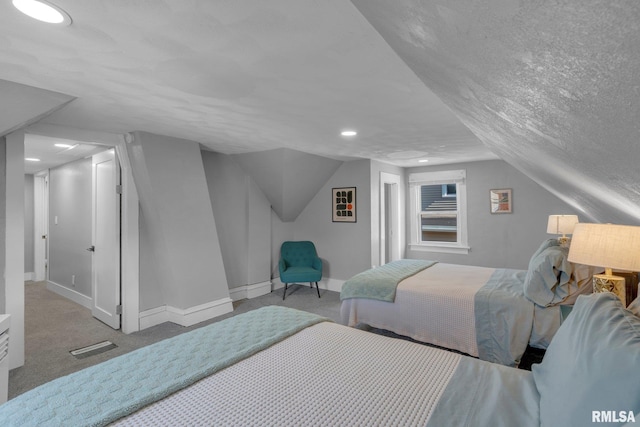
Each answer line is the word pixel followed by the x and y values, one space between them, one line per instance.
pixel 439 213
pixel 438 203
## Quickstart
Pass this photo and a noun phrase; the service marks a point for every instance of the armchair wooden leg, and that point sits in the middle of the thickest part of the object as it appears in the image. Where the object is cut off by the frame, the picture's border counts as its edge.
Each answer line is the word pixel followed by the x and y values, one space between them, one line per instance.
pixel 318 289
pixel 284 294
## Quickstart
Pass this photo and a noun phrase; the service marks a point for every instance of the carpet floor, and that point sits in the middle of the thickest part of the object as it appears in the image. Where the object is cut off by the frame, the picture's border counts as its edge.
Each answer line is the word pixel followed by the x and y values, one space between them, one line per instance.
pixel 54 326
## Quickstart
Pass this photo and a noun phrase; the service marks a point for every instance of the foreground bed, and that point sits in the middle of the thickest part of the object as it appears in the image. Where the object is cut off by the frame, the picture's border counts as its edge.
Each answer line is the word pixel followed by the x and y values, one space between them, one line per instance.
pixel 484 312
pixel 278 366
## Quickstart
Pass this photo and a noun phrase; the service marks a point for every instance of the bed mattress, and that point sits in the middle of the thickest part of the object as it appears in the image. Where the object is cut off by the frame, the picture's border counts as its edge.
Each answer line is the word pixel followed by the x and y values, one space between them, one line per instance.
pixel 435 305
pixel 327 374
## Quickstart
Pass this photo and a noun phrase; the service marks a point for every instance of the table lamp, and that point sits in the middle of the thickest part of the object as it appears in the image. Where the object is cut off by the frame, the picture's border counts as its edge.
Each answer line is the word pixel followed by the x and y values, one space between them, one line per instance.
pixel 562 224
pixel 609 246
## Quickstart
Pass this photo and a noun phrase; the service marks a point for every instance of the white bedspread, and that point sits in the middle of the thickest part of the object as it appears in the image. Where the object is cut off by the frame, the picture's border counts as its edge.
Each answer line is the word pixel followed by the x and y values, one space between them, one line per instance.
pixel 434 306
pixel 327 374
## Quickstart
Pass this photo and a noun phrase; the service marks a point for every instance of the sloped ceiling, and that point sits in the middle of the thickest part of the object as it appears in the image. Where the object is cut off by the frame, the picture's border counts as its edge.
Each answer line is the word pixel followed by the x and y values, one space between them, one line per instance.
pixel 551 87
pixel 236 76
pixel 21 105
pixel 288 178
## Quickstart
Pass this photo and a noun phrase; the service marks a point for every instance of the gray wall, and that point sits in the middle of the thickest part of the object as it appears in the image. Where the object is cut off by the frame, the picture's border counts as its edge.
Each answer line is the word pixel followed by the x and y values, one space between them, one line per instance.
pixel 179 230
pixel 151 291
pixel 280 232
pixel 259 234
pixel 70 201
pixel 243 220
pixel 344 247
pixel 227 189
pixel 500 240
pixel 29 266
pixel 3 222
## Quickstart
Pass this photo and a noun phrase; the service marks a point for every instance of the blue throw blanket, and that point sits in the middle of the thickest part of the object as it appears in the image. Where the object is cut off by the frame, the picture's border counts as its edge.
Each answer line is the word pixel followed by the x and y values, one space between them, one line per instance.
pixel 381 283
pixel 103 393
pixel 504 318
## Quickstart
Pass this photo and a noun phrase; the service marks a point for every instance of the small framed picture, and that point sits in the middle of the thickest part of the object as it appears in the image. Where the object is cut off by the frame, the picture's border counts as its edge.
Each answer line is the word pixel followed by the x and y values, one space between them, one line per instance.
pixel 501 201
pixel 344 204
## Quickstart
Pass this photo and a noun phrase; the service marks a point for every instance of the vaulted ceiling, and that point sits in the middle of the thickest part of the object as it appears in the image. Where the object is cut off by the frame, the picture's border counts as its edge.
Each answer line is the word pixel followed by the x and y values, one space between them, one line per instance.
pixel 236 76
pixel 550 87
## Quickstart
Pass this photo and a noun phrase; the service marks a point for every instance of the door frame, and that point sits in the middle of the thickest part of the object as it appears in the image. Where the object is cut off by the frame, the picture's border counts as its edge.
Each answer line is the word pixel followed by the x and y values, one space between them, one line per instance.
pixel 396 210
pixel 129 242
pixel 129 265
pixel 41 225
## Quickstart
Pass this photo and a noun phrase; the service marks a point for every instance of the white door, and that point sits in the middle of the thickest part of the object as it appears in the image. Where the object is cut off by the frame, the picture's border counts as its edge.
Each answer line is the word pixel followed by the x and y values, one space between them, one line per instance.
pixel 41 224
pixel 106 239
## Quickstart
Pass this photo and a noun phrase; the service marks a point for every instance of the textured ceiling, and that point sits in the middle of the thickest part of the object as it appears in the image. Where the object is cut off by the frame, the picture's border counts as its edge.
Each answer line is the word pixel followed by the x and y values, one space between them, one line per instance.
pixel 22 105
pixel 237 76
pixel 551 87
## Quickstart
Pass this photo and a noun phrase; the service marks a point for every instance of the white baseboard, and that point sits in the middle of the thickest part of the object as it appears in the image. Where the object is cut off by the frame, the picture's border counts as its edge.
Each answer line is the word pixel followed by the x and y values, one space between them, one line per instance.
pixel 194 315
pixel 153 317
pixel 74 296
pixel 29 276
pixel 250 291
pixel 185 317
pixel 334 285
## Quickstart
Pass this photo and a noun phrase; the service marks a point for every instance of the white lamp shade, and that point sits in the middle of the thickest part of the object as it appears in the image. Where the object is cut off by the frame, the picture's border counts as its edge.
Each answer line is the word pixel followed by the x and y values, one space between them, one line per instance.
pixel 606 245
pixel 561 224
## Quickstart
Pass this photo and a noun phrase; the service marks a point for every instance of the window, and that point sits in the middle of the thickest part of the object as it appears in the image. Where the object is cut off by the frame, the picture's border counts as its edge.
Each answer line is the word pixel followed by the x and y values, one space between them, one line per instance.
pixel 438 214
pixel 438 201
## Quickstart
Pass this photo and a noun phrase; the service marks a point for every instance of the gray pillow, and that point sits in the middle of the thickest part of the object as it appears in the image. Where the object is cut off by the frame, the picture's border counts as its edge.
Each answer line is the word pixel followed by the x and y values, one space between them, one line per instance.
pixel 591 364
pixel 548 280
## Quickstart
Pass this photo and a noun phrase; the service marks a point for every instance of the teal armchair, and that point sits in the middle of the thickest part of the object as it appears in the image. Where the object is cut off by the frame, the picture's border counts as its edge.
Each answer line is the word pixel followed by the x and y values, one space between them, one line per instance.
pixel 299 262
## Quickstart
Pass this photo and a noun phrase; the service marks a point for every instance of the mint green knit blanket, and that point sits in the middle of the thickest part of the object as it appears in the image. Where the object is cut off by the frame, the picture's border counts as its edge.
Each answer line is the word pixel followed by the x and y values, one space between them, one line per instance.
pixel 113 389
pixel 380 283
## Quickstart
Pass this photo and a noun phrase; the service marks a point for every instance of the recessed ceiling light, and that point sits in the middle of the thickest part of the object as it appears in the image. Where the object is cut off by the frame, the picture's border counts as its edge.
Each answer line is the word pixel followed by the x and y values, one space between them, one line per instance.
pixel 43 11
pixel 31 159
pixel 348 133
pixel 423 160
pixel 64 145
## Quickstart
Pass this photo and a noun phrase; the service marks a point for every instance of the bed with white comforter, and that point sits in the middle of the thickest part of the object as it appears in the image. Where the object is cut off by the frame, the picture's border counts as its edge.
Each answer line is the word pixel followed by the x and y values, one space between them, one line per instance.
pixel 447 290
pixel 439 304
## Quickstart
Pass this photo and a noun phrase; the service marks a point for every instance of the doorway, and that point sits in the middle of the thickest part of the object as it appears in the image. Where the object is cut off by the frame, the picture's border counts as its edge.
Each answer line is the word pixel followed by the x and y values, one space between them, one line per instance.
pixel 390 211
pixel 77 209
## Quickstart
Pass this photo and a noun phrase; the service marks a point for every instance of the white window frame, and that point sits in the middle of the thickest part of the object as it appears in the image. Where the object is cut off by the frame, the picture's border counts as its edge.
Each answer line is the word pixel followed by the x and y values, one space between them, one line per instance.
pixel 416 180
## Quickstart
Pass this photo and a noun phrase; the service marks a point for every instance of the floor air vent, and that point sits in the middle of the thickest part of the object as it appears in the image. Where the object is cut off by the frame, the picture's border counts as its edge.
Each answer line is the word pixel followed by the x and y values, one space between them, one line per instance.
pixel 92 350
